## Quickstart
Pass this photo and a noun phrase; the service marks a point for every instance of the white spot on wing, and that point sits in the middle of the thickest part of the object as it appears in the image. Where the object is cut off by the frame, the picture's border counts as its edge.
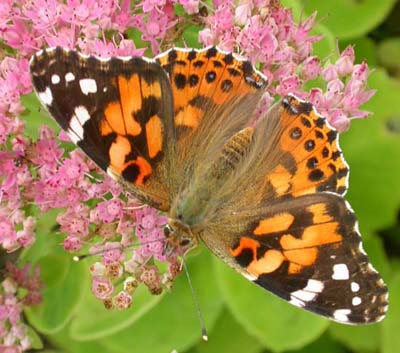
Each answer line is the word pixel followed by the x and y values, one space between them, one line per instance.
pixel 314 285
pixel 309 292
pixel 82 114
pixel 69 77
pixel 297 302
pixel 356 301
pixel 341 314
pixel 75 130
pixel 340 272
pixel 46 97
pixel 304 295
pixel 55 79
pixel 88 85
pixel 355 287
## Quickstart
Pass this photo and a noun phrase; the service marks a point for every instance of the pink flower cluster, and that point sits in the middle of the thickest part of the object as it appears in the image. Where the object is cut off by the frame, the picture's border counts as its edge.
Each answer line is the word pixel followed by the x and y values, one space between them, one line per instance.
pixel 267 34
pixel 95 213
pixel 13 332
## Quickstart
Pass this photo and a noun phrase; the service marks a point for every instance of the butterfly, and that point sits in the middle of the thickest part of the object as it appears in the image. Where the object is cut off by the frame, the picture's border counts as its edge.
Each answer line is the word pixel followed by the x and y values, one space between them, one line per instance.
pixel 265 195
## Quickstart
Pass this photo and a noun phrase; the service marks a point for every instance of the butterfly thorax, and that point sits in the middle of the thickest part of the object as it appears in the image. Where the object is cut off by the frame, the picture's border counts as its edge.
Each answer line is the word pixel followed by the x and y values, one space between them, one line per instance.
pixel 192 206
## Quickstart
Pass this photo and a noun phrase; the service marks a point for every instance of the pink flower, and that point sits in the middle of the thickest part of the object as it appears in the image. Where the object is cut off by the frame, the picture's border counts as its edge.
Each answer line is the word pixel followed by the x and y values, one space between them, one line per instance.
pixel 150 233
pixel 206 37
pixel 191 6
pixel 72 244
pixel 102 288
pixel 112 253
pixel 345 64
pixel 311 68
pixel 123 300
pixel 80 12
pixel 243 12
pixel 150 5
pixel 44 14
pixel 109 210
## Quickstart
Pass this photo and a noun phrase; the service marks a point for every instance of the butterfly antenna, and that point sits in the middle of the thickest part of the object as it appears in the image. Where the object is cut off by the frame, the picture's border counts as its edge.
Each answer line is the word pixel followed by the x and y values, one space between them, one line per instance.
pixel 204 334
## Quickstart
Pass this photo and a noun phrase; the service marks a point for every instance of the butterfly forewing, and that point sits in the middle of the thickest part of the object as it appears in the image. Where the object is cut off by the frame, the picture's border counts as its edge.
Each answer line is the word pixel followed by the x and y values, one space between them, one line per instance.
pixel 119 111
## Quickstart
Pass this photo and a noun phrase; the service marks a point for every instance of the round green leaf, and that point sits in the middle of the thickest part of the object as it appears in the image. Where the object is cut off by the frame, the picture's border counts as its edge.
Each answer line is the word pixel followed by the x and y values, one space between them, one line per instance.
pixel 389 54
pixel 324 343
pixel 390 326
pixel 173 322
pixel 65 344
pixel 36 341
pixel 84 328
pixel 59 299
pixel 35 115
pixel 277 324
pixel 373 152
pixel 358 338
pixel 348 19
pixel 228 336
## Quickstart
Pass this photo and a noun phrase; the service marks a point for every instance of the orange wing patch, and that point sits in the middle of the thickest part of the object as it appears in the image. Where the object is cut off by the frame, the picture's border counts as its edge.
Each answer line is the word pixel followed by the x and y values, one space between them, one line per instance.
pixel 154 135
pixel 201 79
pixel 311 150
pixel 278 223
pixel 291 238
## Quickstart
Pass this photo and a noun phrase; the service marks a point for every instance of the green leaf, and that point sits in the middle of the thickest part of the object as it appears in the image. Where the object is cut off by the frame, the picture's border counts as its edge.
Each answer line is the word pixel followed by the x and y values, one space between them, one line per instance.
pixel 228 336
pixel 35 115
pixel 372 151
pixel 277 324
pixel 36 341
pixel 46 242
pixel 173 322
pixel 390 326
pixel 59 299
pixel 63 342
pixel 358 338
pixel 191 36
pixel 84 328
pixel 349 19
pixel 389 54
pixel 324 343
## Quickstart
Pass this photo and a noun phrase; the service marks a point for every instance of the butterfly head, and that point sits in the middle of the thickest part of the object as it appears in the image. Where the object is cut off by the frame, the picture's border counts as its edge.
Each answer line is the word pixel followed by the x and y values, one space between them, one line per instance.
pixel 179 238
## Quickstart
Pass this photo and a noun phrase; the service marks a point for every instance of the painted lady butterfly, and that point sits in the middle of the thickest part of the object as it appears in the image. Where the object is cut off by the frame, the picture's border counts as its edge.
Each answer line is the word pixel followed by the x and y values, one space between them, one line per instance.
pixel 266 197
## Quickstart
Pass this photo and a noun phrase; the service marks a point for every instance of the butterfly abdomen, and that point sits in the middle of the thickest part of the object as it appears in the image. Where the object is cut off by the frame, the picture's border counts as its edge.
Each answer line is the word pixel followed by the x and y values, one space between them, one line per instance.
pixel 234 150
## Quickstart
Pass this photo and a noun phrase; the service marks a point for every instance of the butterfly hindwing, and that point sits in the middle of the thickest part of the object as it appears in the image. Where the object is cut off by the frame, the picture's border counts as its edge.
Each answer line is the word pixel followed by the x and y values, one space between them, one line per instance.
pixel 290 232
pixel 308 251
pixel 118 111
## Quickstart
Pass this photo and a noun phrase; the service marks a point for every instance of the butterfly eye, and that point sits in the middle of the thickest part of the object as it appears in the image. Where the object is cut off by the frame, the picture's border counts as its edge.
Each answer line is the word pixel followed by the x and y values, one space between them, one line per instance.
pixel 184 242
pixel 167 231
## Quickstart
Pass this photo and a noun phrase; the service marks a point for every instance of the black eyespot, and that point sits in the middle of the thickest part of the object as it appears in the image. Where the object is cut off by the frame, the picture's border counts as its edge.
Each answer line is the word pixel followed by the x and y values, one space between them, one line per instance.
pixel 295 133
pixel 309 145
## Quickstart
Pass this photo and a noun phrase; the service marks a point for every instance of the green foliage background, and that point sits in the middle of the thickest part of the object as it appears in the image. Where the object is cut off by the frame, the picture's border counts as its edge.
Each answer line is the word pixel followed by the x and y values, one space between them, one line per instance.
pixel 239 316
